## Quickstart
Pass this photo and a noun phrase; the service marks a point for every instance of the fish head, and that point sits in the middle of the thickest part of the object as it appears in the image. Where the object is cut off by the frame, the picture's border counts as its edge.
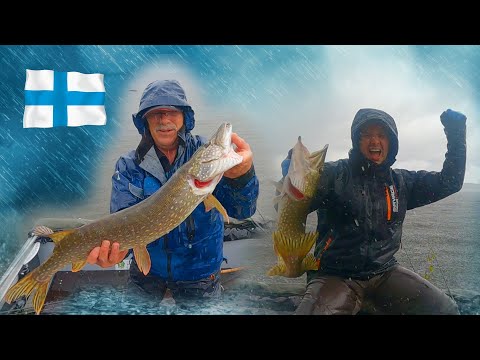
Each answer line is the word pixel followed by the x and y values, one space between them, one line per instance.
pixel 211 160
pixel 304 172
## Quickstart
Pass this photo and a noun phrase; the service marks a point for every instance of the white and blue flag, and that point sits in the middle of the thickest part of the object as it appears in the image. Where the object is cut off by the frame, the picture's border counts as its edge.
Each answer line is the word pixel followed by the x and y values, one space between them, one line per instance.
pixel 54 98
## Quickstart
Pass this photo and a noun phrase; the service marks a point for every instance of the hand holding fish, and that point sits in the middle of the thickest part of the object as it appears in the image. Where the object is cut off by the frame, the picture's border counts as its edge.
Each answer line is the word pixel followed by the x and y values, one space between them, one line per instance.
pixel 286 163
pixel 105 257
pixel 243 149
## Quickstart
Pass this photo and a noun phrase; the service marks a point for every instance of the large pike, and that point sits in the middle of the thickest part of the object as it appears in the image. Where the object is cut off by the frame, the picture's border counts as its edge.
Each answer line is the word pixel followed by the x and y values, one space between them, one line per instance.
pixel 139 225
pixel 290 242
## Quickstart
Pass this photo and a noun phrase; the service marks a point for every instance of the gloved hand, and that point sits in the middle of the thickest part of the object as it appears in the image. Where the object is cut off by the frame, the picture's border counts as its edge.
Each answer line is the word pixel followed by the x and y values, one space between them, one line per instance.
pixel 286 163
pixel 452 118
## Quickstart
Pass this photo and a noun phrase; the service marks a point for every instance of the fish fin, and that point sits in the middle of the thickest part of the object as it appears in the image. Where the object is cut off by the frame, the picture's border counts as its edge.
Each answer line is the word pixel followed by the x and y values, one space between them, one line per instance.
pixel 300 247
pixel 212 202
pixel 41 230
pixel 317 158
pixel 44 231
pixel 278 269
pixel 78 265
pixel 142 257
pixel 58 236
pixel 25 287
pixel 39 297
pixel 275 249
pixel 279 258
pixel 277 199
pixel 309 263
pixel 277 184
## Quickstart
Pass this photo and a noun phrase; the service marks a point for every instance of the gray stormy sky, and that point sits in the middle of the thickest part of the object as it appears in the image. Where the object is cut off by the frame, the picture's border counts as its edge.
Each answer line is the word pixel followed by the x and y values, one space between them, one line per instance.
pixel 281 92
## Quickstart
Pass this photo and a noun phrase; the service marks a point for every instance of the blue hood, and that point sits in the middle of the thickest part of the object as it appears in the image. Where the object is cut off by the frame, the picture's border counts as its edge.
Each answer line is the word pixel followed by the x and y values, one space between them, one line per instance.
pixel 164 92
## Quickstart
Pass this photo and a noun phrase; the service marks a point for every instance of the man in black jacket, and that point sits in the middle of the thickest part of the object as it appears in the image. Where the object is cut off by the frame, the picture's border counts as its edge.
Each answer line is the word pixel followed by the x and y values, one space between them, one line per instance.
pixel 361 205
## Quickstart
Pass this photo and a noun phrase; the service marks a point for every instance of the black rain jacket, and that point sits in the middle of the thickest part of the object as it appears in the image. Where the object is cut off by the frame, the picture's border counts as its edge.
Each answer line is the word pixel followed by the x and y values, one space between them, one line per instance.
pixel 361 205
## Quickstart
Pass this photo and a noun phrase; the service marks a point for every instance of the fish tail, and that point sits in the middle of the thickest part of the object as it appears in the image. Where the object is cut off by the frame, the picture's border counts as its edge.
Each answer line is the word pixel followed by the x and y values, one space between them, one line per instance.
pixel 40 296
pixel 309 240
pixel 317 158
pixel 278 269
pixel 309 263
pixel 285 246
pixel 25 287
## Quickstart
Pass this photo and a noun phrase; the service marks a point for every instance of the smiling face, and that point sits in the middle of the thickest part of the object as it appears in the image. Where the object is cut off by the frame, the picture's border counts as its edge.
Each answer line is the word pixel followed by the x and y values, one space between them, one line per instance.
pixel 164 125
pixel 374 142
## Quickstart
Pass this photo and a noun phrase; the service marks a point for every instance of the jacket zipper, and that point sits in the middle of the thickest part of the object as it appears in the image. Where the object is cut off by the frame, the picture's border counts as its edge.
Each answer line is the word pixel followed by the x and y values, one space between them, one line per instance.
pixel 367 195
pixel 190 230
pixel 368 232
pixel 389 203
pixel 327 244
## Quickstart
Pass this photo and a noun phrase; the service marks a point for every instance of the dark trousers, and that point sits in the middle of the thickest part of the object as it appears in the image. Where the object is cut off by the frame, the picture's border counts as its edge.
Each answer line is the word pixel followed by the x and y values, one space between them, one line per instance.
pixel 182 291
pixel 397 291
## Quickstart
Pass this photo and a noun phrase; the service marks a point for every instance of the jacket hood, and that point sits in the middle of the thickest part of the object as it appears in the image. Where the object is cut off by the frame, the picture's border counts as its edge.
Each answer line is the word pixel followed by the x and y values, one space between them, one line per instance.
pixel 164 92
pixel 366 115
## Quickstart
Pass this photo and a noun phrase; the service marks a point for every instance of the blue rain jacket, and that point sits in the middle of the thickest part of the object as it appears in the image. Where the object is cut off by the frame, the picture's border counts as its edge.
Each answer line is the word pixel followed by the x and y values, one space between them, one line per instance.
pixel 193 250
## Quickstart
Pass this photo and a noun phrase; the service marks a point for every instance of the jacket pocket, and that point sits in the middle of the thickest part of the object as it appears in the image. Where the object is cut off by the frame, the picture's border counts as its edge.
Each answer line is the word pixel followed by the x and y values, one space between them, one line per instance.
pixel 136 191
pixel 150 186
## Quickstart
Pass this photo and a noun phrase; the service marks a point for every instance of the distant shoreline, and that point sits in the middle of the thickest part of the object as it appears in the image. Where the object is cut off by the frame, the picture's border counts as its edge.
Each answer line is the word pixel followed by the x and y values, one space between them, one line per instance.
pixel 471 186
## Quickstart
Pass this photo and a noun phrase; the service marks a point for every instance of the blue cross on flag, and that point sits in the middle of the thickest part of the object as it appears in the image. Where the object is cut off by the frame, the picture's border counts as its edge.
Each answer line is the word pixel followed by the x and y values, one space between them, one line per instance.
pixel 54 98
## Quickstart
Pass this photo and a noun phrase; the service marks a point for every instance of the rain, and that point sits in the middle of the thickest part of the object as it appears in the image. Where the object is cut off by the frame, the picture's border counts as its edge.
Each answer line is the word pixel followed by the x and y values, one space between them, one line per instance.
pixel 271 95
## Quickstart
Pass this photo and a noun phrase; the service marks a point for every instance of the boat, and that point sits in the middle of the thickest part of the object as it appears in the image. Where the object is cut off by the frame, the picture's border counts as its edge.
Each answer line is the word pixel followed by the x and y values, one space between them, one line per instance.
pixel 36 250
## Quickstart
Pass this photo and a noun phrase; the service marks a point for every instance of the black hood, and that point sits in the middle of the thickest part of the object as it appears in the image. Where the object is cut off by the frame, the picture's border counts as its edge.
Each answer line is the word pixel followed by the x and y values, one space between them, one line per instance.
pixel 366 115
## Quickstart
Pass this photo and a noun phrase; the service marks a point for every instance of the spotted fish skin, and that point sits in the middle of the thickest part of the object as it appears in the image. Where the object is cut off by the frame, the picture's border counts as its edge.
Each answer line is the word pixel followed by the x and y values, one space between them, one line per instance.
pixel 290 242
pixel 140 224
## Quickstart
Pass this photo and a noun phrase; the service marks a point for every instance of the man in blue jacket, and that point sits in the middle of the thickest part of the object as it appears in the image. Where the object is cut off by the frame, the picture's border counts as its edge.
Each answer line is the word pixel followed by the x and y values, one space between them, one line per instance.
pixel 361 204
pixel 188 259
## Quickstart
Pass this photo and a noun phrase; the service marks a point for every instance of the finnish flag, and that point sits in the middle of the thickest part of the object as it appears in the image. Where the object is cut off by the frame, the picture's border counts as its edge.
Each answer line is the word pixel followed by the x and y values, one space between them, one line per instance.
pixel 55 98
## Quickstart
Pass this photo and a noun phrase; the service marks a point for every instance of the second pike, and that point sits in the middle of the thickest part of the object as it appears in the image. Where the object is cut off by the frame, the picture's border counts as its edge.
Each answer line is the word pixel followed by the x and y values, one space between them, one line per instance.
pixel 290 242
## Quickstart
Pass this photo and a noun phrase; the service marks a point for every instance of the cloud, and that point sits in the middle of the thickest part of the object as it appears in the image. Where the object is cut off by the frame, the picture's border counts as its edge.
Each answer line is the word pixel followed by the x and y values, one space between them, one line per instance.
pixel 320 104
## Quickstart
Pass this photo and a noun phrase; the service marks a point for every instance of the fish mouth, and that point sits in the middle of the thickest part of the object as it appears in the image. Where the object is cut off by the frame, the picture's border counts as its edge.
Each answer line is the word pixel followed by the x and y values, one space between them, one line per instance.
pixel 211 167
pixel 209 173
pixel 295 192
pixel 304 171
pixel 223 136
pixel 203 186
pixel 230 157
pixel 211 161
